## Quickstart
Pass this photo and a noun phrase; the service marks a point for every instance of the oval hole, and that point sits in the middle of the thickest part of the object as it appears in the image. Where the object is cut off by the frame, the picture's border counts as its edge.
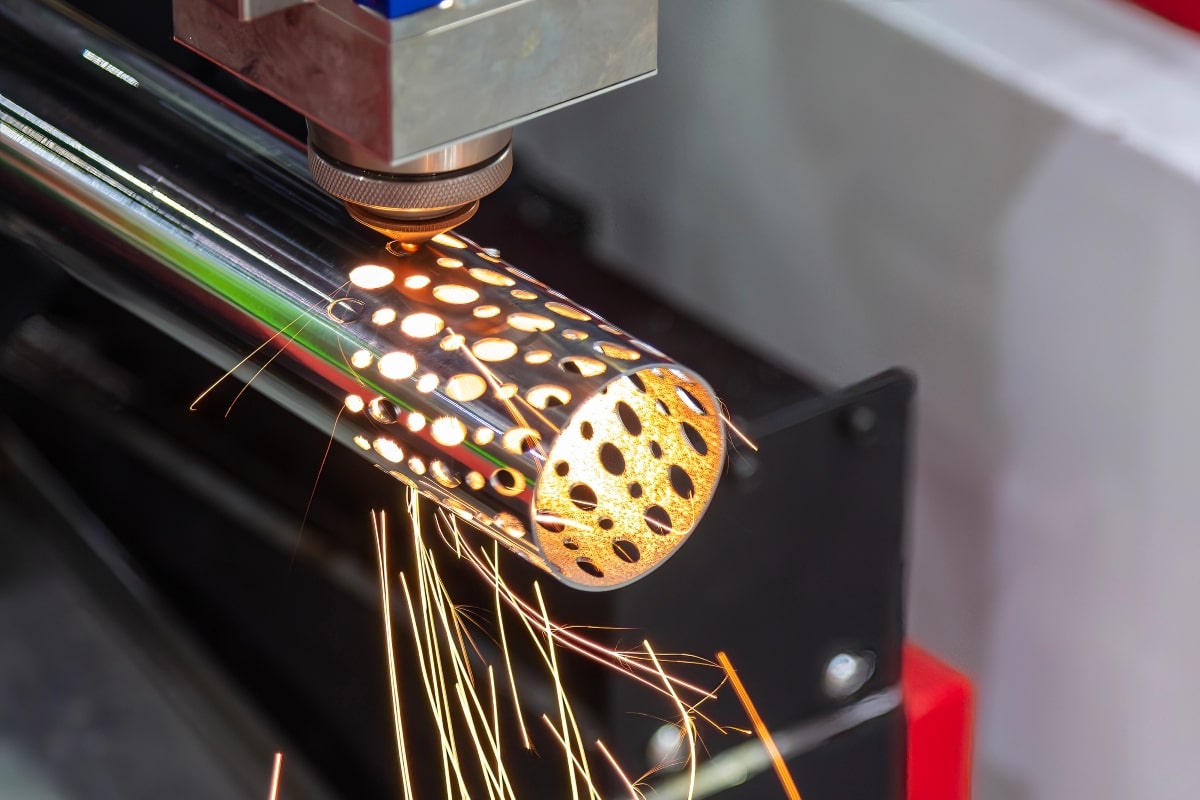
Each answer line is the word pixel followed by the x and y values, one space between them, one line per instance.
pixel 585 430
pixel 626 551
pixel 383 411
pixel 589 566
pixel 561 469
pixel 681 482
pixel 605 524
pixel 507 482
pixel 689 400
pixel 637 382
pixel 635 490
pixel 611 458
pixel 656 449
pixel 583 365
pixel 629 418
pixel 550 522
pixel 570 544
pixel 658 520
pixel 694 438
pixel 582 496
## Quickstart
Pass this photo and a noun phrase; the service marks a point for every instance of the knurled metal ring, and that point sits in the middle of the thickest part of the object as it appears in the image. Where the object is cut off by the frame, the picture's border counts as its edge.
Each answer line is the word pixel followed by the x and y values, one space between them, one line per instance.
pixel 386 190
pixel 415 231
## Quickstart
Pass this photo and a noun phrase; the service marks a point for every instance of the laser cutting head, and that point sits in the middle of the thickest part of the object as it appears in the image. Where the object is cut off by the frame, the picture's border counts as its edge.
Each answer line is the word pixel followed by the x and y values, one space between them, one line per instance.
pixel 411 103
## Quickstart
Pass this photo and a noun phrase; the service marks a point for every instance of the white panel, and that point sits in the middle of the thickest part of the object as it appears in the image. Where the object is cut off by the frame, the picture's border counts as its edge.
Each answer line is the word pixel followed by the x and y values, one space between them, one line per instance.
pixel 1002 195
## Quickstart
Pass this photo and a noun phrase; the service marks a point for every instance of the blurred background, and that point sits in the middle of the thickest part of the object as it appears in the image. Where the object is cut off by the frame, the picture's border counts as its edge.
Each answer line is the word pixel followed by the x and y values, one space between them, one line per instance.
pixel 1002 196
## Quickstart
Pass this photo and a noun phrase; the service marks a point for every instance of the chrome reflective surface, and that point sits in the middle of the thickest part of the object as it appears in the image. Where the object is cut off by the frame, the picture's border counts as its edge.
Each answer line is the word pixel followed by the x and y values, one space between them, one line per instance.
pixel 400 89
pixel 443 365
pixel 448 158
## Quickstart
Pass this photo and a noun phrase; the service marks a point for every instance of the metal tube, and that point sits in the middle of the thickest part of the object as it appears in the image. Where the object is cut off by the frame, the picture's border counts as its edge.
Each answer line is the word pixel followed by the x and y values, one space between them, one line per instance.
pixel 576 446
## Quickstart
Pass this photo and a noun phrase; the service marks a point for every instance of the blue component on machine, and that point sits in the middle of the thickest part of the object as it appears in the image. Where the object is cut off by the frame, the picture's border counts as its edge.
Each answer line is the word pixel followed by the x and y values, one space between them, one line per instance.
pixel 397 8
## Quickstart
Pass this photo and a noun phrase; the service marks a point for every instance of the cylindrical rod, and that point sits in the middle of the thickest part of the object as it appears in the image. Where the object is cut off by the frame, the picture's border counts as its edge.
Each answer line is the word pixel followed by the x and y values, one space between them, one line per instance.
pixel 578 447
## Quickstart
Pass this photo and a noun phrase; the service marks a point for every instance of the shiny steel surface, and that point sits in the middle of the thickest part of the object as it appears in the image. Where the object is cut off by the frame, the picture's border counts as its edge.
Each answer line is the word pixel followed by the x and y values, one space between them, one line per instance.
pixel 253 9
pixel 449 158
pixel 383 190
pixel 413 86
pixel 444 366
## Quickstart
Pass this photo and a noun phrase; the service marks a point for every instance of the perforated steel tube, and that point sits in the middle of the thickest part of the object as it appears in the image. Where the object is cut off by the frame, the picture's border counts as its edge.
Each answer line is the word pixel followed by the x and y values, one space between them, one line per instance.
pixel 576 446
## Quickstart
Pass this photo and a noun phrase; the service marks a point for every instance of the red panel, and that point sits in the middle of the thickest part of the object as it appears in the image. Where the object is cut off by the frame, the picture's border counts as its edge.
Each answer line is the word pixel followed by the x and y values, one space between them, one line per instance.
pixel 938 704
pixel 1181 12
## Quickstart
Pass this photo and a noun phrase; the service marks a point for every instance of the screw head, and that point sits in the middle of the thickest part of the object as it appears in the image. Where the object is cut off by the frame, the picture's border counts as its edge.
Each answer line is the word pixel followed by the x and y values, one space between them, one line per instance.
pixel 846 673
pixel 861 424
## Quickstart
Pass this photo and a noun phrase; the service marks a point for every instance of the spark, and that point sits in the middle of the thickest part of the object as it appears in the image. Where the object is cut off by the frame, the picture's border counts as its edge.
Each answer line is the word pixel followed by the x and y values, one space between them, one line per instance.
pixel 634 793
pixel 496 383
pixel 492 783
pixel 255 352
pixel 689 727
pixel 724 415
pixel 430 659
pixel 564 704
pixel 316 482
pixel 449 759
pixel 569 750
pixel 566 637
pixel 380 525
pixel 504 649
pixel 467 724
pixel 266 364
pixel 781 769
pixel 496 750
pixel 273 792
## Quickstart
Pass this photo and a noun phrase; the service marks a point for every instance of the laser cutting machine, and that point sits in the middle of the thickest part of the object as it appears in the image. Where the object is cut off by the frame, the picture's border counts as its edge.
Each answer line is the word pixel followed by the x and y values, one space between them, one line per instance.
pixel 410 106
pixel 164 219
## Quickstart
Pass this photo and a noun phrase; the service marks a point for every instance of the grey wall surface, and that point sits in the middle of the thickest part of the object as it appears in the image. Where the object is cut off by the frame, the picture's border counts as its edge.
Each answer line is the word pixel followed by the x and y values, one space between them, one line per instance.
pixel 1003 195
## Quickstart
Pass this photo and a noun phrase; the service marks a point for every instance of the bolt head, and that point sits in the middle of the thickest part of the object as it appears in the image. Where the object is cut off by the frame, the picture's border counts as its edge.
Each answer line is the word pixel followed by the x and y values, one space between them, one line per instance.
pixel 861 425
pixel 846 673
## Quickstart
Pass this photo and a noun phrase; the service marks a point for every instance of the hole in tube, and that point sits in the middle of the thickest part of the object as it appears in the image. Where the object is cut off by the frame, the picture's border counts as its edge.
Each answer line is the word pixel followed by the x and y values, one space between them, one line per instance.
pixel 690 400
pixel 507 482
pixel 618 351
pixel 583 497
pixel 371 276
pixel 611 458
pixel 629 418
pixel 589 566
pixel 626 551
pixel 681 482
pixel 383 411
pixel 658 520
pixel 694 439
pixel 550 522
pixel 547 396
pixel 570 312
pixel 490 277
pixel 585 366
